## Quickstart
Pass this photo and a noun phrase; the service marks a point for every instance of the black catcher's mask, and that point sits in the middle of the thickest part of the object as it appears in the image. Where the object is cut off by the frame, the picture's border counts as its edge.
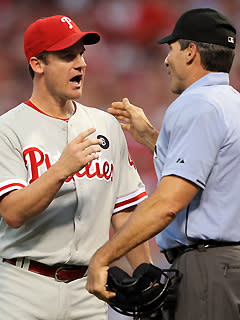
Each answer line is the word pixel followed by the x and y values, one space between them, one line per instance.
pixel 149 291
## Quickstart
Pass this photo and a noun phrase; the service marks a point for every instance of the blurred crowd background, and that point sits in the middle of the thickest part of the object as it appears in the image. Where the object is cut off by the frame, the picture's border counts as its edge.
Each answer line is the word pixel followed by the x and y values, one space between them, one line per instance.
pixel 126 63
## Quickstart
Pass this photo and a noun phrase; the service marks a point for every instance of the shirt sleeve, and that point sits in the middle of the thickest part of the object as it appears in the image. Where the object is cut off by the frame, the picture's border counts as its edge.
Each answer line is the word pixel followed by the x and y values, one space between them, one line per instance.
pixel 194 141
pixel 13 172
pixel 131 190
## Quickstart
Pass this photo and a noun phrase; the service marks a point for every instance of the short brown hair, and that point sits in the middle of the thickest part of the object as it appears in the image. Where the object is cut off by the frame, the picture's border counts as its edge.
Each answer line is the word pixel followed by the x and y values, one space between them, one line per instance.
pixel 214 57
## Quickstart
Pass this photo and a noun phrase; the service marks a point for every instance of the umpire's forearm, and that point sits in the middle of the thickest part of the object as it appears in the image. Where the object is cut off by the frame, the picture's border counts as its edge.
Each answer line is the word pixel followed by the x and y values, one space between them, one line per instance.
pixel 151 216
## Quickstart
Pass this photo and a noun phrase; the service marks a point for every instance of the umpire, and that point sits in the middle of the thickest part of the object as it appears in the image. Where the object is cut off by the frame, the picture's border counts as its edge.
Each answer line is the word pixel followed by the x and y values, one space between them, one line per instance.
pixel 195 210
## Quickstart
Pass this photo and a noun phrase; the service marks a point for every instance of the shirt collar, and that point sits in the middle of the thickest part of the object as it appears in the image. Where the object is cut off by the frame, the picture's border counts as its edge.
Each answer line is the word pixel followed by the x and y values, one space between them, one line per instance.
pixel 212 78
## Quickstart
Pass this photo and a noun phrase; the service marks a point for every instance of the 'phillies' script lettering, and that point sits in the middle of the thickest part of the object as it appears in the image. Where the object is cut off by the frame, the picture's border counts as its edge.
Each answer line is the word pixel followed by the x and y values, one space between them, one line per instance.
pixel 37 161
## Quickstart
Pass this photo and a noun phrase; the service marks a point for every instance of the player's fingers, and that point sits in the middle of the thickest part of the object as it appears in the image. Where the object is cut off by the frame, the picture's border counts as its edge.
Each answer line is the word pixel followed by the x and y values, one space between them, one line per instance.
pixel 90 142
pixel 88 155
pixel 91 150
pixel 83 135
pixel 91 157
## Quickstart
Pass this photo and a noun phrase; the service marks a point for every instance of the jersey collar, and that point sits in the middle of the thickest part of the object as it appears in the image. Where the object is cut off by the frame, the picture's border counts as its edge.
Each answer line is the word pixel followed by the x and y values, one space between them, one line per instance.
pixel 30 104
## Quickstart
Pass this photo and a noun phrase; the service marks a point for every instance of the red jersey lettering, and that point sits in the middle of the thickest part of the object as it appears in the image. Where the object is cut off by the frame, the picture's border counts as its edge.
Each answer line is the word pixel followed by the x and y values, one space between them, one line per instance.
pixel 36 159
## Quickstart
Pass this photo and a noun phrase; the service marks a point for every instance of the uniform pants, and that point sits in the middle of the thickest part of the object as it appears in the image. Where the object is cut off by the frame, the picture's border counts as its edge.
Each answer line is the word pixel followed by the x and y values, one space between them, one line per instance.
pixel 210 285
pixel 30 296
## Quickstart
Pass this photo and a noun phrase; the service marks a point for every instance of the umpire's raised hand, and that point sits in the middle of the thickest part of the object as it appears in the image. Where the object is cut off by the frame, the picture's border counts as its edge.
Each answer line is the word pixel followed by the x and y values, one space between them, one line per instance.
pixel 134 120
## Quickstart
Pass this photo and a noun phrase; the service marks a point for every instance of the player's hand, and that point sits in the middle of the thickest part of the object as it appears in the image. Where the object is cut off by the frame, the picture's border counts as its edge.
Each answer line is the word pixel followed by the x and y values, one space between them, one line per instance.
pixel 133 120
pixel 97 279
pixel 79 152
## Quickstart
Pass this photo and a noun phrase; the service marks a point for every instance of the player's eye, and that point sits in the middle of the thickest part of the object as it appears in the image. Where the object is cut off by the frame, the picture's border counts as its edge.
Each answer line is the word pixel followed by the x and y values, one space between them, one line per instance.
pixel 68 57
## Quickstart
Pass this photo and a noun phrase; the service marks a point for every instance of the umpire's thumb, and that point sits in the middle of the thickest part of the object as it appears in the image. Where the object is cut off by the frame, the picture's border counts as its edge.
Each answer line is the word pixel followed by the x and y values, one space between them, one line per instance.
pixel 126 102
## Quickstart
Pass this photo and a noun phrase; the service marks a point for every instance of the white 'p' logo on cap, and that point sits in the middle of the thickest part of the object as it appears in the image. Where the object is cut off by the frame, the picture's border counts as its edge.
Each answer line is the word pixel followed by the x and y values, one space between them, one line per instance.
pixel 231 39
pixel 68 21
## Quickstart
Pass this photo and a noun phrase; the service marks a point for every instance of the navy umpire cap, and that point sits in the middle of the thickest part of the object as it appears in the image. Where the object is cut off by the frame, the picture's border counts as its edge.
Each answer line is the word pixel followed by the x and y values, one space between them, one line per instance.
pixel 203 25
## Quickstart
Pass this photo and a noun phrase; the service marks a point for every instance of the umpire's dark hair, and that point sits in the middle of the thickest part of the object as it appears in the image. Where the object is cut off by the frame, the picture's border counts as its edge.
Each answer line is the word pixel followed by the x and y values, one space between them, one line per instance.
pixel 214 57
pixel 42 56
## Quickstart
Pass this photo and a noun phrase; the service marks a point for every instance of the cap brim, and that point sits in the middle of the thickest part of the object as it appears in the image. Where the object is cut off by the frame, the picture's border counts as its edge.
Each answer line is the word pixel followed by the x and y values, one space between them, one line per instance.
pixel 91 37
pixel 88 38
pixel 167 39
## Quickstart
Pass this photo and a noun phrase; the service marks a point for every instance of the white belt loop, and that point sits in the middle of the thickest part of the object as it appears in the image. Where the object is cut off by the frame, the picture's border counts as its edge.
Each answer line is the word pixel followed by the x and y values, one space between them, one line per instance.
pixel 19 262
pixel 23 263
pixel 26 264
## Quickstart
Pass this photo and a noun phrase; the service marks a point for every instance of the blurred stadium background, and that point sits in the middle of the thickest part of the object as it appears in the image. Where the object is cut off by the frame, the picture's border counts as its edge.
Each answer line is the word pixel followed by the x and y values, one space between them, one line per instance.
pixel 126 63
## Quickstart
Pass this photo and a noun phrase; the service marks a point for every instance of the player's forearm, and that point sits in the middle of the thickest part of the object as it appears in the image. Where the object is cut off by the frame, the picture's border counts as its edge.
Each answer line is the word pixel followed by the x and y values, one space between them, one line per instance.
pixel 133 233
pixel 140 254
pixel 19 206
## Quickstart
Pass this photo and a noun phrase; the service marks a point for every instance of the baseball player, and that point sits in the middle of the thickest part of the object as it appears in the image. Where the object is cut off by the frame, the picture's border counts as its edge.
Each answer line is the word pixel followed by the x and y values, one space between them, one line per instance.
pixel 65 176
pixel 195 209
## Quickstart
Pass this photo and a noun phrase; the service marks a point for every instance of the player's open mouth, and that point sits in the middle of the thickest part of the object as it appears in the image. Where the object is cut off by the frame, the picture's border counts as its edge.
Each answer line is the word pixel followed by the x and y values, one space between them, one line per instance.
pixel 76 79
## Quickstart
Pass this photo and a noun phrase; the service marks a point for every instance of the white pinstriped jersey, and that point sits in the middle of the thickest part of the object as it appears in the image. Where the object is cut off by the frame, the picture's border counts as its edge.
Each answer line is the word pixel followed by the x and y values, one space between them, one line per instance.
pixel 77 222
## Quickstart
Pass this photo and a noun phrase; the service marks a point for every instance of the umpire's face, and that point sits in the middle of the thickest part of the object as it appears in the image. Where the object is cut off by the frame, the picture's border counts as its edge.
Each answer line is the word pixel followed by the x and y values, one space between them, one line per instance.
pixel 64 72
pixel 177 64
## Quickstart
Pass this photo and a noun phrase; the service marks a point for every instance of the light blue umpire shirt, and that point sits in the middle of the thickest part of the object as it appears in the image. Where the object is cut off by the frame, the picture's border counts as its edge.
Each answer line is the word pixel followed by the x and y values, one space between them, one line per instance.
pixel 200 141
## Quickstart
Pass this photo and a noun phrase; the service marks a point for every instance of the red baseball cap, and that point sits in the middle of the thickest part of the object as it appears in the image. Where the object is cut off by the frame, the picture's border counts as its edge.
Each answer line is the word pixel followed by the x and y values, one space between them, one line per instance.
pixel 54 33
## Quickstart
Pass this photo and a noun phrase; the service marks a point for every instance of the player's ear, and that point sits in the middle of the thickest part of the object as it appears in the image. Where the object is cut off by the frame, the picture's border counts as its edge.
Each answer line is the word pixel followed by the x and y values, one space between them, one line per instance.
pixel 36 65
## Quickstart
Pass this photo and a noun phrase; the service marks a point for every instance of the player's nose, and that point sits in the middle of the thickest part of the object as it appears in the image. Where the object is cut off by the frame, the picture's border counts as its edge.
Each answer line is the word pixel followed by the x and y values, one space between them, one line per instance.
pixel 80 62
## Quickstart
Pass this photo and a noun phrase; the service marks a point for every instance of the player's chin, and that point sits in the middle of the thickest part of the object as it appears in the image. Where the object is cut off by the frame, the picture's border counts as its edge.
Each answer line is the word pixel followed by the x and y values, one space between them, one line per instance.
pixel 75 94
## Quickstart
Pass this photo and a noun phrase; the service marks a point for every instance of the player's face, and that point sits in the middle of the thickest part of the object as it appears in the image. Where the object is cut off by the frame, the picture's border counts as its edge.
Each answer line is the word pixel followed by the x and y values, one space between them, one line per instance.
pixel 175 62
pixel 64 72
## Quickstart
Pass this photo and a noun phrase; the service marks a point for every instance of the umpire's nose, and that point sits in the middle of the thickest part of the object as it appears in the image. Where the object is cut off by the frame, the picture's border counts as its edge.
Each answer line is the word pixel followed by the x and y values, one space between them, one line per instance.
pixel 166 61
